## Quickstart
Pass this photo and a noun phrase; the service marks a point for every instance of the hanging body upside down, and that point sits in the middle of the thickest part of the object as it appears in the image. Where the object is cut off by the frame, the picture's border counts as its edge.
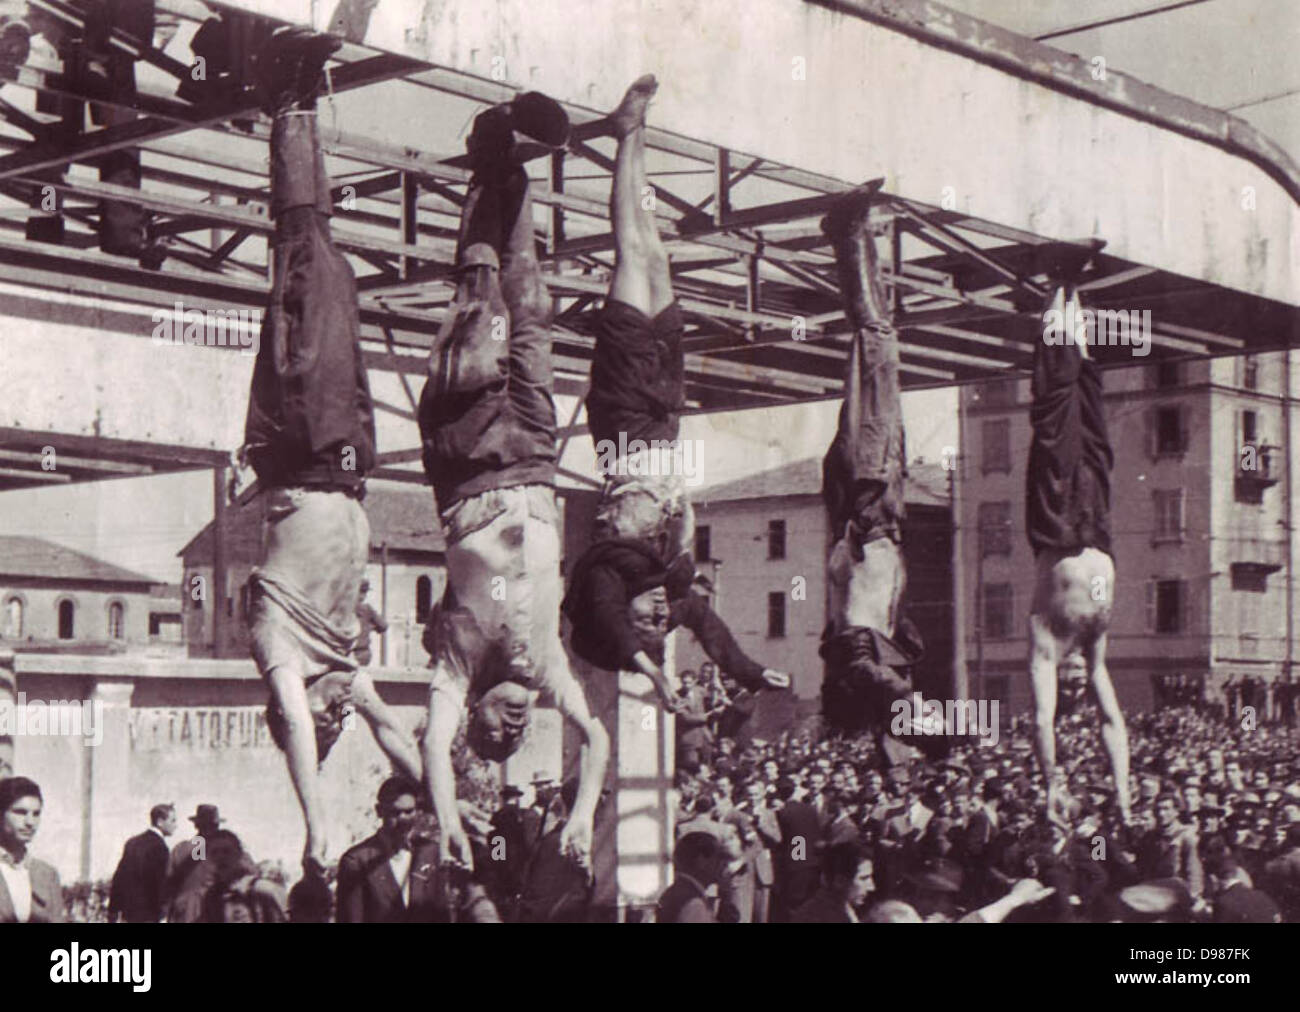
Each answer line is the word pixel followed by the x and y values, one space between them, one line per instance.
pixel 635 582
pixel 310 437
pixel 487 422
pixel 869 645
pixel 1067 517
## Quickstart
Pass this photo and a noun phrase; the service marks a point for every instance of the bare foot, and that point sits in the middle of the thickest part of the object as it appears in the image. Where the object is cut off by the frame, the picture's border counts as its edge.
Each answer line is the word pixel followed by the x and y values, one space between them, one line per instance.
pixel 630 114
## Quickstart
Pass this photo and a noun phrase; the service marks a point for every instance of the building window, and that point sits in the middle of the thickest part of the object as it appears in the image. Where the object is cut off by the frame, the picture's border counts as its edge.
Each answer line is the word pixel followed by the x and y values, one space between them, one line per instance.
pixel 995 528
pixel 703 543
pixel 116 620
pixel 1249 427
pixel 1166 605
pixel 997 611
pixel 67 619
pixel 1169 374
pixel 13 618
pixel 776 539
pixel 998 392
pixel 996 445
pixel 423 598
pixel 1250 372
pixel 1169 515
pixel 1170 437
pixel 776 615
pixel 998 687
pixel 155 624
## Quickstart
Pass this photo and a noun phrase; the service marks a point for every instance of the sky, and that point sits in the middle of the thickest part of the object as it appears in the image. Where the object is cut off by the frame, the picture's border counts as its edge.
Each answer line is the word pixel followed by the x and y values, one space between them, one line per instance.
pixel 1236 54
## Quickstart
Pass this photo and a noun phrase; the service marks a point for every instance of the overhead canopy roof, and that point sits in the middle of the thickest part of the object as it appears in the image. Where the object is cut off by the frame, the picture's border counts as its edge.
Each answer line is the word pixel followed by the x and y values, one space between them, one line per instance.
pixel 987 145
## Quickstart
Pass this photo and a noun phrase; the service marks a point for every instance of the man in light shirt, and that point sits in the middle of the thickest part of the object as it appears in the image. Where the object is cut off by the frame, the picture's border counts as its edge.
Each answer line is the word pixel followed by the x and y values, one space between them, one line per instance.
pixel 29 888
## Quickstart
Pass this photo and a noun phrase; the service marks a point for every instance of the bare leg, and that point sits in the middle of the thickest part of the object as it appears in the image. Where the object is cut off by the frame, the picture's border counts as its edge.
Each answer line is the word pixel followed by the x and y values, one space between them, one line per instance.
pixel 641 277
pixel 398 743
pixel 1114 734
pixel 1043 657
pixel 300 754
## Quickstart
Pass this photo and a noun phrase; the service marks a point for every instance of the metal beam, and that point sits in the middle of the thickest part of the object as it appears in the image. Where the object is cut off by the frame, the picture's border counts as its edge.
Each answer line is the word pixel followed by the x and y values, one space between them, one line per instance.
pixel 100 142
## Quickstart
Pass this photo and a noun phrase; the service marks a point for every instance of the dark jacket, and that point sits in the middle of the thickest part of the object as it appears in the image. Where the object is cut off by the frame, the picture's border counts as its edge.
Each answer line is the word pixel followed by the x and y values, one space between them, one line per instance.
pixel 823 908
pixel 606 579
pixel 1240 904
pixel 137 892
pixel 798 866
pixel 310 416
pixel 684 902
pixel 369 894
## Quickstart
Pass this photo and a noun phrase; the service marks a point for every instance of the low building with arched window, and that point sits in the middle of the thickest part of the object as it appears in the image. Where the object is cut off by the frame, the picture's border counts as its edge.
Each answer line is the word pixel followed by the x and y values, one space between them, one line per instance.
pixel 52 596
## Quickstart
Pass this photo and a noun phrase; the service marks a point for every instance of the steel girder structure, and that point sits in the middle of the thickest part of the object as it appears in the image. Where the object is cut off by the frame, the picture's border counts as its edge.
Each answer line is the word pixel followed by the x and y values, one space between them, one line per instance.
pixel 754 274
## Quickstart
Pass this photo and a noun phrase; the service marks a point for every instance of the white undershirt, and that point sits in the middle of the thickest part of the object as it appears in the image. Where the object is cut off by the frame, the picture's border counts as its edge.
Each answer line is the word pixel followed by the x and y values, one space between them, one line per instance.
pixel 19 883
pixel 400 862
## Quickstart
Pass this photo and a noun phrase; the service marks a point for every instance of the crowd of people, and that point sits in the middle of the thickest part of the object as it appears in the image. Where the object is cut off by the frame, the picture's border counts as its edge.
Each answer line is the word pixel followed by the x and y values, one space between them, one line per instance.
pixel 1214 833
pixel 808 828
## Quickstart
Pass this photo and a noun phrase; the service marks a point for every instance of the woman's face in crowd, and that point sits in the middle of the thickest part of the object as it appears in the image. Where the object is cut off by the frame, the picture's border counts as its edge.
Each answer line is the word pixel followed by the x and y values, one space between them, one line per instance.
pixel 21 820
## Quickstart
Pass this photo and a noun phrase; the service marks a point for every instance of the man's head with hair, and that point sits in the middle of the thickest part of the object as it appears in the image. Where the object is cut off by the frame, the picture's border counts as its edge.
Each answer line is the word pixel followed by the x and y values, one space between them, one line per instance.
pixel 785 788
pixel 398 804
pixel 14 788
pixel 847 871
pixel 700 855
pixel 1167 808
pixel 224 849
pixel 163 818
pixel 21 806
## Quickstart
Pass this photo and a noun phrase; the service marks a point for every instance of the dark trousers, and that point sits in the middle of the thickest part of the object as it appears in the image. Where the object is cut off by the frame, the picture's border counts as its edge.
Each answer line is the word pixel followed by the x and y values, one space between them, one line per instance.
pixel 638 386
pixel 1067 486
pixel 866 466
pixel 487 413
pixel 310 416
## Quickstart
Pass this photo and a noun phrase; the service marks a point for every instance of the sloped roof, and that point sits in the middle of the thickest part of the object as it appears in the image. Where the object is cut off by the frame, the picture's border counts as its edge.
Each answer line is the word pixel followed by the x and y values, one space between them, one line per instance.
pixel 400 516
pixel 35 557
pixel 927 484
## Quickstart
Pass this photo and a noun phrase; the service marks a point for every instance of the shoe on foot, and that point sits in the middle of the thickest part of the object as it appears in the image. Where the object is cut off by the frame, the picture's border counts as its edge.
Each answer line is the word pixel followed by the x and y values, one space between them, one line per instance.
pixel 493 143
pixel 291 68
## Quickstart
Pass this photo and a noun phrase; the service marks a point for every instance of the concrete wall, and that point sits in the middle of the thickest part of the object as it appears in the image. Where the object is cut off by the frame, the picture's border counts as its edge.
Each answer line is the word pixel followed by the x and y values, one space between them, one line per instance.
pixel 187 732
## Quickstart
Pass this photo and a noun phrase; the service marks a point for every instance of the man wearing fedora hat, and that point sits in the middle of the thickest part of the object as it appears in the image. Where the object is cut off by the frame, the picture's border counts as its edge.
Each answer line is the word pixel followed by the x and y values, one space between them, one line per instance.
pixel 190 874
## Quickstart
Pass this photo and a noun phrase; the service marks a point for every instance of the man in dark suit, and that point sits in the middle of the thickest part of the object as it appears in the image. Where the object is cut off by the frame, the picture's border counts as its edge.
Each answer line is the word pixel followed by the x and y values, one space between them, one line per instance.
pixel 1282 874
pixel 799 853
pixel 1236 900
pixel 138 884
pixel 518 830
pixel 393 877
pixel 698 863
pixel 189 872
pixel 847 880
